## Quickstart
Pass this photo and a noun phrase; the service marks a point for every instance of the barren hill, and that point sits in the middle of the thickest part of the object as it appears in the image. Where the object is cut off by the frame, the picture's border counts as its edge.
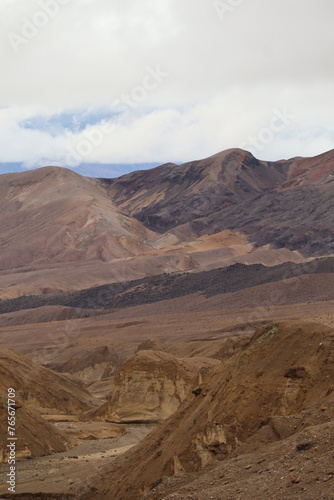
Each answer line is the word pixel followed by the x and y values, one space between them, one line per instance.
pixel 288 202
pixel 275 387
pixel 171 195
pixel 55 215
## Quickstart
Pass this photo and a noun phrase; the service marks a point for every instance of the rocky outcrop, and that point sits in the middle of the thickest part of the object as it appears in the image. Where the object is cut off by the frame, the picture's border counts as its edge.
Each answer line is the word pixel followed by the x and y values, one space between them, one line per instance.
pixel 150 386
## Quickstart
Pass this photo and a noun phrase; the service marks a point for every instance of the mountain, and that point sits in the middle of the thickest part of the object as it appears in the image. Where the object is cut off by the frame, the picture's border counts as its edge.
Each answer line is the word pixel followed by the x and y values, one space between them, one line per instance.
pixel 53 214
pixel 287 203
pixel 171 195
pixel 60 231
pixel 85 169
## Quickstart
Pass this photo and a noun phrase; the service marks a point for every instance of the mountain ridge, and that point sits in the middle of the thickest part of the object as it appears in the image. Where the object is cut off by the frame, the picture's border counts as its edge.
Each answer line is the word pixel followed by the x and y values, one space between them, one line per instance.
pixel 162 220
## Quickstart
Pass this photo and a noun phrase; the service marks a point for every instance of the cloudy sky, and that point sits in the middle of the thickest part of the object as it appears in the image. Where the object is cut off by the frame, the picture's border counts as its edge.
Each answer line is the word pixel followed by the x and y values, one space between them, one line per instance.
pixel 151 81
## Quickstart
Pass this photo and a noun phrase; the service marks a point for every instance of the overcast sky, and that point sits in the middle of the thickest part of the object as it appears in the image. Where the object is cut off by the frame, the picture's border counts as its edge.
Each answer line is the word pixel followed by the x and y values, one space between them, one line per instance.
pixel 129 81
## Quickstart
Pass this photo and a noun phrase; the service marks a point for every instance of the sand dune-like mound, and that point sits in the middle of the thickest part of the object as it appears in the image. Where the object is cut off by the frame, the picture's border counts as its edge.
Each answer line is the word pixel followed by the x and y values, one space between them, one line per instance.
pixel 39 387
pixel 150 386
pixel 256 397
pixel 35 436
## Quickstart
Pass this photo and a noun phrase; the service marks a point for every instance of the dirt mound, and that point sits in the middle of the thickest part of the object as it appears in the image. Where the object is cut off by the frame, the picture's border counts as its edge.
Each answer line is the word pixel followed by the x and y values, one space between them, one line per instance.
pixel 35 436
pixel 40 387
pixel 285 369
pixel 150 386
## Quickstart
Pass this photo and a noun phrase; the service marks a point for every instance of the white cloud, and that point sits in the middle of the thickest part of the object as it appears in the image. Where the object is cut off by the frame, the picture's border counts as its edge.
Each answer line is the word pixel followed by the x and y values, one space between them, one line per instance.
pixel 225 77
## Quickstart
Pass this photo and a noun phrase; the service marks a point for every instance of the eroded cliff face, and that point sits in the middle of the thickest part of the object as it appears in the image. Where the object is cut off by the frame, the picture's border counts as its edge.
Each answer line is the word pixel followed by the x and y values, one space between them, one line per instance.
pixel 151 385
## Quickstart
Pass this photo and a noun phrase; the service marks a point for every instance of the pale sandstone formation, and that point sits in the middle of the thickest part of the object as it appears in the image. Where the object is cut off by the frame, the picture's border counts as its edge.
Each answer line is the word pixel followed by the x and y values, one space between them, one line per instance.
pixel 151 385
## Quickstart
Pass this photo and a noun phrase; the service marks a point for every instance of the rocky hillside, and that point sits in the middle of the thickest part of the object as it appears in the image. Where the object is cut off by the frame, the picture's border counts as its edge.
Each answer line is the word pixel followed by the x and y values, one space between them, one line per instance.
pixel 272 202
pixel 171 195
pixel 278 385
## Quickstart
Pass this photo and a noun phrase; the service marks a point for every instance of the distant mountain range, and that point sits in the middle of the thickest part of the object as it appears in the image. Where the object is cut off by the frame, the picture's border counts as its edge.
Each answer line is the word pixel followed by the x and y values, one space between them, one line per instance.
pixel 62 231
pixel 86 169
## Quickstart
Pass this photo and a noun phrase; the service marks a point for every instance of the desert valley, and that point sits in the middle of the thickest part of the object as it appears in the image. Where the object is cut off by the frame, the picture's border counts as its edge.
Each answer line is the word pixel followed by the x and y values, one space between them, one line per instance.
pixel 169 334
